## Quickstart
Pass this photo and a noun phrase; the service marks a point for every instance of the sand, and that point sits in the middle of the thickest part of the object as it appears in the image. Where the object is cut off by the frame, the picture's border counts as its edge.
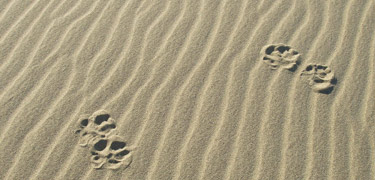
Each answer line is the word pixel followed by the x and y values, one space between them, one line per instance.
pixel 177 89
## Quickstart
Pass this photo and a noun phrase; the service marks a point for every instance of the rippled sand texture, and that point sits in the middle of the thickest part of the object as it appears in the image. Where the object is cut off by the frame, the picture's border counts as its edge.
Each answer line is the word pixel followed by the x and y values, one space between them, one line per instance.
pixel 187 87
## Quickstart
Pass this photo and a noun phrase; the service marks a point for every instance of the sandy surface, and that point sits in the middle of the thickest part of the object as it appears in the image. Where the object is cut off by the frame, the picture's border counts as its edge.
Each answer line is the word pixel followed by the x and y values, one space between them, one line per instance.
pixel 177 89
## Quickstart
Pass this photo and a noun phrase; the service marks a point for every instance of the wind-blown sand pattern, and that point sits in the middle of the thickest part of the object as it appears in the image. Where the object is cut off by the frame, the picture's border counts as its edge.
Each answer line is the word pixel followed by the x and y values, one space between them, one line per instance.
pixel 187 89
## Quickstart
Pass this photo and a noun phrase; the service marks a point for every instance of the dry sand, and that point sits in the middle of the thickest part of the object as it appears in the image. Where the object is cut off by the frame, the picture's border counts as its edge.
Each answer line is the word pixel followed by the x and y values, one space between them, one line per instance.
pixel 187 87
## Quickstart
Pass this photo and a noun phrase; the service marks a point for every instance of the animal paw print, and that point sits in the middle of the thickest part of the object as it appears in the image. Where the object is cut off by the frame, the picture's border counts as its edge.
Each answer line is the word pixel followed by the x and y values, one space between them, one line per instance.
pixel 100 124
pixel 110 153
pixel 321 78
pixel 98 132
pixel 280 55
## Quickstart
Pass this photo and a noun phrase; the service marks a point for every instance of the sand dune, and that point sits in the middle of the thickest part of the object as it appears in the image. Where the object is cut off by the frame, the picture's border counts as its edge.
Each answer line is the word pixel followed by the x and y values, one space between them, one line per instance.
pixel 206 89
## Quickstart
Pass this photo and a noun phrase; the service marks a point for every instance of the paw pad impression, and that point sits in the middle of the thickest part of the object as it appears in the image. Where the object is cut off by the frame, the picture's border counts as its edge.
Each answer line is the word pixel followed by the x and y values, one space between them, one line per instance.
pixel 280 55
pixel 321 78
pixel 98 133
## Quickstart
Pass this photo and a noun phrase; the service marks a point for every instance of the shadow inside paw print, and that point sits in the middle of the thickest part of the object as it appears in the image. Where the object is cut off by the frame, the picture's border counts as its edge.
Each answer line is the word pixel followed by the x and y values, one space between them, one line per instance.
pixel 99 133
pixel 280 55
pixel 101 118
pixel 321 78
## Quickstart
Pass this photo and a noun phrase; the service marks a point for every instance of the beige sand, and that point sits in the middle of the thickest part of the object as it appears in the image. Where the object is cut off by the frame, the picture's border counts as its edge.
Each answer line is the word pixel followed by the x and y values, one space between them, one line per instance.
pixel 187 89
